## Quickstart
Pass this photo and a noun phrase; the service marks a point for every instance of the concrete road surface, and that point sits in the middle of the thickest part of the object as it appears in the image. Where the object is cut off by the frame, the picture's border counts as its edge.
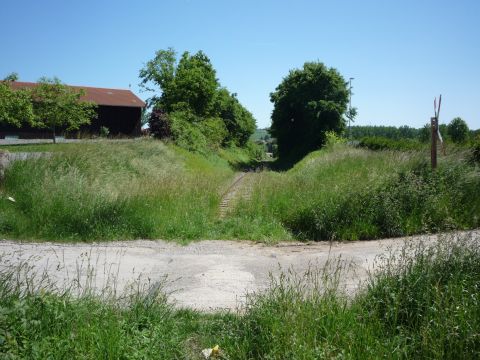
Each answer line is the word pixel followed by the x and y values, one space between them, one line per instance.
pixel 206 275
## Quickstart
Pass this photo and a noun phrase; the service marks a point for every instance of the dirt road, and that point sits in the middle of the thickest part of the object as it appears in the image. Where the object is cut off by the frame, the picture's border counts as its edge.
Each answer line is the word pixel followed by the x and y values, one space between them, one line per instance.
pixel 206 275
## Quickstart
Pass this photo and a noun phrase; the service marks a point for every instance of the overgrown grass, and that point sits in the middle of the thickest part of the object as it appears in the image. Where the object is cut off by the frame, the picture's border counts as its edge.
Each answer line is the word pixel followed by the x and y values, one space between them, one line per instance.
pixel 343 193
pixel 146 189
pixel 422 303
pixel 105 190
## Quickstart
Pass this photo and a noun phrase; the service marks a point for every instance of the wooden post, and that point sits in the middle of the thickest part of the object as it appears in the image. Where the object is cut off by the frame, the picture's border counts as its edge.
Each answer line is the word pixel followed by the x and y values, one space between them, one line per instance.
pixel 434 127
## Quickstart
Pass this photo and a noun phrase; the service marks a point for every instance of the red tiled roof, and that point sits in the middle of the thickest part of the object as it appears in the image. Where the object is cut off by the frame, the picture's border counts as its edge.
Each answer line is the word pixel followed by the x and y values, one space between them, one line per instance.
pixel 100 96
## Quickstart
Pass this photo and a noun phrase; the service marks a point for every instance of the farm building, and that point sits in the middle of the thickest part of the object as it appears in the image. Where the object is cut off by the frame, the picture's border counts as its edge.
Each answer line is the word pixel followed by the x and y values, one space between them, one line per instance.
pixel 118 110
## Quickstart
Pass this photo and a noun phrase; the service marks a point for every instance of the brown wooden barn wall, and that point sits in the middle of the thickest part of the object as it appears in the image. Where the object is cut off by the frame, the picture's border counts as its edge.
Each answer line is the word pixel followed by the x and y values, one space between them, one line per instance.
pixel 120 120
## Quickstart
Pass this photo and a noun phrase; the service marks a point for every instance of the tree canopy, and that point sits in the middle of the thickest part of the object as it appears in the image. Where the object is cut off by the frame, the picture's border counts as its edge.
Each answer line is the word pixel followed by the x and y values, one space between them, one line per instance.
pixel 192 103
pixel 59 106
pixel 390 132
pixel 307 103
pixel 458 130
pixel 15 106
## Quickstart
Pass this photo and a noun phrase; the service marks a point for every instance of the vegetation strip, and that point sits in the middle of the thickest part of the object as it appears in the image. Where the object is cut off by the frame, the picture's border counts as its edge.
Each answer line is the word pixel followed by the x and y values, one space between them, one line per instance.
pixel 422 303
pixel 147 189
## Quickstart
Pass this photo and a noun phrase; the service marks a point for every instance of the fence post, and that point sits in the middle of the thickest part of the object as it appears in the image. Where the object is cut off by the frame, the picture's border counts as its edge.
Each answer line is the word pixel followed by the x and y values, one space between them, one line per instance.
pixel 434 127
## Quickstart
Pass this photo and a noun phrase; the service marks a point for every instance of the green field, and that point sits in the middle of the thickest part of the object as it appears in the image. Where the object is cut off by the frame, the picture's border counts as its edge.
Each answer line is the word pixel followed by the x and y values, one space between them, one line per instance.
pixel 148 189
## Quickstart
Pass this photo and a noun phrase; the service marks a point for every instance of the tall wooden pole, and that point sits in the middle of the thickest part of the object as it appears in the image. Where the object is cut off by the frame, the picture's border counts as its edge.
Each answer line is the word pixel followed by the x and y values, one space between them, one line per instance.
pixel 434 127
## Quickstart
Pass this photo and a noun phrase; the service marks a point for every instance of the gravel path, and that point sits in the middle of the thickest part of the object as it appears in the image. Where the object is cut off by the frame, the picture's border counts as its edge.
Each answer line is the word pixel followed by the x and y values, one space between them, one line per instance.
pixel 205 275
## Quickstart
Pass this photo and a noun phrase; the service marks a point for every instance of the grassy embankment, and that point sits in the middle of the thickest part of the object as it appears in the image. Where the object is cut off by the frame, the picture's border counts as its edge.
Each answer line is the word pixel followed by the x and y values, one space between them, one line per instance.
pixel 424 303
pixel 105 190
pixel 345 193
pixel 145 189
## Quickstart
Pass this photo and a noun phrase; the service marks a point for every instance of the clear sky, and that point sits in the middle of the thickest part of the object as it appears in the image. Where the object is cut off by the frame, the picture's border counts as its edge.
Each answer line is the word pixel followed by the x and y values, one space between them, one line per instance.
pixel 401 53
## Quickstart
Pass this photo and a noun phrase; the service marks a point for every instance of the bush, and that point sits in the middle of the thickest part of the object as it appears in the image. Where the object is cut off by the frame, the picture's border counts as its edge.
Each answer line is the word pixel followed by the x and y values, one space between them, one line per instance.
pixel 214 131
pixel 190 91
pixel 104 131
pixel 475 151
pixel 187 133
pixel 256 151
pixel 159 124
pixel 380 143
pixel 412 202
pixel 332 139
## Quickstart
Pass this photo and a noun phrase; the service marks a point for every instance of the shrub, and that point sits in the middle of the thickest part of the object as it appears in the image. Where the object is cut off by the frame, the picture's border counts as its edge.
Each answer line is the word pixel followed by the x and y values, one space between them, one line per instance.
pixel 380 143
pixel 332 139
pixel 414 201
pixel 255 151
pixel 104 131
pixel 214 131
pixel 159 124
pixel 475 151
pixel 186 132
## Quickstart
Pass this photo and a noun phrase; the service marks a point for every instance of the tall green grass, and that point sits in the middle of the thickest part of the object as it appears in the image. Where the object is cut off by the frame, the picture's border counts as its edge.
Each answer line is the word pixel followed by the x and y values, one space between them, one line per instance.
pixel 421 303
pixel 344 193
pixel 146 189
pixel 138 189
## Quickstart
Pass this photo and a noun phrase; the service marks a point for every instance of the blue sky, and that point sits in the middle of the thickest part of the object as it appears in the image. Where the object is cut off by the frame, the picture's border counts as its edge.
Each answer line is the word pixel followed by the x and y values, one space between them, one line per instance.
pixel 401 53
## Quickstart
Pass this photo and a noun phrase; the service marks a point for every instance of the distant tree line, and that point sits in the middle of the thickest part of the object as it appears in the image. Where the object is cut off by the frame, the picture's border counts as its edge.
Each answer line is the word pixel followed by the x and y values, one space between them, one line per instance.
pixel 390 132
pixel 456 131
pixel 193 109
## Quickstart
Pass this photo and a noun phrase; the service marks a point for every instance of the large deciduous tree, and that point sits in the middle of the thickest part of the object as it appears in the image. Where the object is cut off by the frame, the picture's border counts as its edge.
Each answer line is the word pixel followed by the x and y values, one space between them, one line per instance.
pixel 195 83
pixel 190 83
pixel 192 103
pixel 59 106
pixel 307 103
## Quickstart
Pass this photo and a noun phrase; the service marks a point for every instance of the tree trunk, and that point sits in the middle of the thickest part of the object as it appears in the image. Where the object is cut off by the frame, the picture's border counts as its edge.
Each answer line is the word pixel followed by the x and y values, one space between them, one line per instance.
pixel 54 139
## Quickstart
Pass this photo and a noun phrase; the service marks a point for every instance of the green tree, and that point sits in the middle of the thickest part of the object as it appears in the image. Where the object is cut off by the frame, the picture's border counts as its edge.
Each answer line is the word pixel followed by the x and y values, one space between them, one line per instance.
pixel 425 133
pixel 195 83
pixel 307 103
pixel 191 84
pixel 11 77
pixel 15 106
pixel 458 130
pixel 193 102
pixel 59 106
pixel 407 132
pixel 160 72
pixel 239 122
